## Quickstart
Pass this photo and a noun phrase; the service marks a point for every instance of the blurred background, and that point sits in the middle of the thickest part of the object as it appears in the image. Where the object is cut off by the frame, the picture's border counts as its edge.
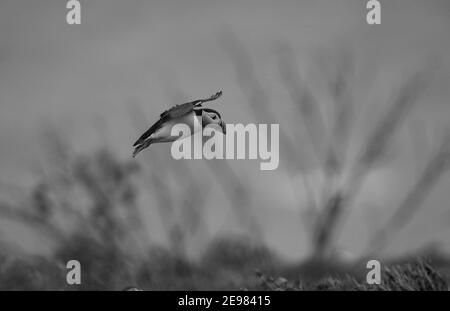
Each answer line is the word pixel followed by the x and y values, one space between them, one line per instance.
pixel 364 118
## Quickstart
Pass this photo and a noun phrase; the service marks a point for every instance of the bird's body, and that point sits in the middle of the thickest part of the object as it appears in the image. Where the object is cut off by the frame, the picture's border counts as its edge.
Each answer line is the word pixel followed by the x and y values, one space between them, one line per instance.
pixel 192 114
pixel 163 133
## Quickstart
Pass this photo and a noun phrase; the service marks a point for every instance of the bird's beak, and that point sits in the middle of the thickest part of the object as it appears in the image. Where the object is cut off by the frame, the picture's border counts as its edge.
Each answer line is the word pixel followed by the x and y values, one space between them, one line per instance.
pixel 223 125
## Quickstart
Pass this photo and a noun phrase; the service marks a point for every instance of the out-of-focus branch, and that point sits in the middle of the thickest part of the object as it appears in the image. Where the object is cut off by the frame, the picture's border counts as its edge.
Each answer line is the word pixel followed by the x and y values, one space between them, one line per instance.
pixel 304 100
pixel 30 219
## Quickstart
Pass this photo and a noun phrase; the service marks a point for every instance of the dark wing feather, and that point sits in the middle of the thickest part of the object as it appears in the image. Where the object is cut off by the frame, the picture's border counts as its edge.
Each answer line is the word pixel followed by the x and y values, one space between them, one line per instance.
pixel 178 111
pixel 183 109
pixel 149 132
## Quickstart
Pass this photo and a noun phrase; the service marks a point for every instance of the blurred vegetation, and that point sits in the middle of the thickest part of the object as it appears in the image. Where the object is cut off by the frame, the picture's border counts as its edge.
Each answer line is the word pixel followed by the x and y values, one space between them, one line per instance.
pixel 89 205
pixel 329 129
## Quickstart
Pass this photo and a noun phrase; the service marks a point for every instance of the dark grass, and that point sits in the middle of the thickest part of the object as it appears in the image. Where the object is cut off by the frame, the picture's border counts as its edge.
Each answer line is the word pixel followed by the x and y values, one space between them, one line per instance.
pixel 416 275
pixel 229 264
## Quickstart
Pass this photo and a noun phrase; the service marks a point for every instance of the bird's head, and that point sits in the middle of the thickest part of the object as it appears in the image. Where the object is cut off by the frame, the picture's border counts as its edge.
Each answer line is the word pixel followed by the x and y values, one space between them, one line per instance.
pixel 211 116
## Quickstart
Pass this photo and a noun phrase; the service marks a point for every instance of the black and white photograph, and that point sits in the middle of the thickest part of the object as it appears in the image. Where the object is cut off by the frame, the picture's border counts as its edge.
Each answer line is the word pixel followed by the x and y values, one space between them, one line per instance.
pixel 224 150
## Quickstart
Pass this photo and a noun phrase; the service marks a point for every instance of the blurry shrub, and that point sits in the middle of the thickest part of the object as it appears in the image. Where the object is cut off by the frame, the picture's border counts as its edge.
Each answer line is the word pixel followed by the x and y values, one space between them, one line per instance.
pixel 237 253
pixel 30 273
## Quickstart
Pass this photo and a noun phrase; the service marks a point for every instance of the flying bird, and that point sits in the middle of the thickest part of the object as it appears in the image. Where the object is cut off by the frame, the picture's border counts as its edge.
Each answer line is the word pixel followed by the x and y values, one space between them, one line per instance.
pixel 192 114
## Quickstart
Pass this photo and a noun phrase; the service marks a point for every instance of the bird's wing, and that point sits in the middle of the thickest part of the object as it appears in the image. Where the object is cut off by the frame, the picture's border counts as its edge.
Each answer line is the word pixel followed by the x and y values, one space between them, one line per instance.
pixel 177 111
pixel 149 132
pixel 186 108
pixel 199 102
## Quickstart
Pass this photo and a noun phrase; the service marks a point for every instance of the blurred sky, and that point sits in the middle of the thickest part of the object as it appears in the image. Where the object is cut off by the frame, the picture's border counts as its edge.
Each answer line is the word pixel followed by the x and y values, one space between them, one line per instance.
pixel 81 79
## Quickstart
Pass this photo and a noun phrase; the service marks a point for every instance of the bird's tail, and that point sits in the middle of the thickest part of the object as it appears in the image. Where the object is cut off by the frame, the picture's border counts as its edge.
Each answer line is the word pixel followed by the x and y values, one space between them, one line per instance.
pixel 141 147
